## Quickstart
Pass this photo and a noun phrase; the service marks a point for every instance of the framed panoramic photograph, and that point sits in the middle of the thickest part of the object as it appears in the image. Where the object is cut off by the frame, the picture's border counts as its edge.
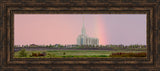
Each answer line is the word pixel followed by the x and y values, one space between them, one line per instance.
pixel 79 35
pixel 91 35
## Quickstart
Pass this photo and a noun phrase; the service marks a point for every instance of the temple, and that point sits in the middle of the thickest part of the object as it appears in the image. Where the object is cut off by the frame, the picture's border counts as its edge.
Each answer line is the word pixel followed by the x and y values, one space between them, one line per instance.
pixel 83 39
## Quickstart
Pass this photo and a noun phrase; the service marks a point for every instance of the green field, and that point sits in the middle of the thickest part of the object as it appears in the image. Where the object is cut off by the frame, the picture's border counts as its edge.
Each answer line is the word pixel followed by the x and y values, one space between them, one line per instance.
pixel 71 53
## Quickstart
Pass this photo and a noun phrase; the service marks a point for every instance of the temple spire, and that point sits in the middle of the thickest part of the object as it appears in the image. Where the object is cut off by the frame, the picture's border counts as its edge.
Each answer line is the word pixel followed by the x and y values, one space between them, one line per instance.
pixel 83 28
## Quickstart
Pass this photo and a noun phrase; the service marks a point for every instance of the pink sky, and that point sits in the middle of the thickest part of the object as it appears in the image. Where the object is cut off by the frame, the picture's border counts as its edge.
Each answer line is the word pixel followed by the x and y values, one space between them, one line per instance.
pixel 45 29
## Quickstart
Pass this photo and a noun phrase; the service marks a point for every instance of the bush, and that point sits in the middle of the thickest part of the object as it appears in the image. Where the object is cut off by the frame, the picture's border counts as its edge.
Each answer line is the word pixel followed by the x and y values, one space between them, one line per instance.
pixel 38 54
pixel 142 54
pixel 22 53
pixel 34 54
pixel 64 53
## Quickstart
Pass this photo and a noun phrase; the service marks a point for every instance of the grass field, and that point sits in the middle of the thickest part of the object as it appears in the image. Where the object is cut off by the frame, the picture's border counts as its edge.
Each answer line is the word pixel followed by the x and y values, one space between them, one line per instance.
pixel 72 53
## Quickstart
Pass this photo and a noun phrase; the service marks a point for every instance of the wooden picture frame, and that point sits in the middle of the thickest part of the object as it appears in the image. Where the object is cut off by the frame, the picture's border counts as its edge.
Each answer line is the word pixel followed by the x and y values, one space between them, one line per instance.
pixel 10 7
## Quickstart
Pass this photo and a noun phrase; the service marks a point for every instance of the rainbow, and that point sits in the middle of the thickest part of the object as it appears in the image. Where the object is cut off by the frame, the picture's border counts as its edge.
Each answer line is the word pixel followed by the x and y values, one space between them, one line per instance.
pixel 100 29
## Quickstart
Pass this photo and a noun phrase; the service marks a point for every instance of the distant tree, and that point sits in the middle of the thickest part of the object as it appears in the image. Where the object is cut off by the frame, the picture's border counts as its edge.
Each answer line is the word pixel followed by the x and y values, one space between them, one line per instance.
pixel 50 45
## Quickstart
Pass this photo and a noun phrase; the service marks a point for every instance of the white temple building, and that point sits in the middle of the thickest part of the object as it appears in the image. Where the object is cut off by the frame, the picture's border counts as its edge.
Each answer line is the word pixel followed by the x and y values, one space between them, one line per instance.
pixel 83 39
